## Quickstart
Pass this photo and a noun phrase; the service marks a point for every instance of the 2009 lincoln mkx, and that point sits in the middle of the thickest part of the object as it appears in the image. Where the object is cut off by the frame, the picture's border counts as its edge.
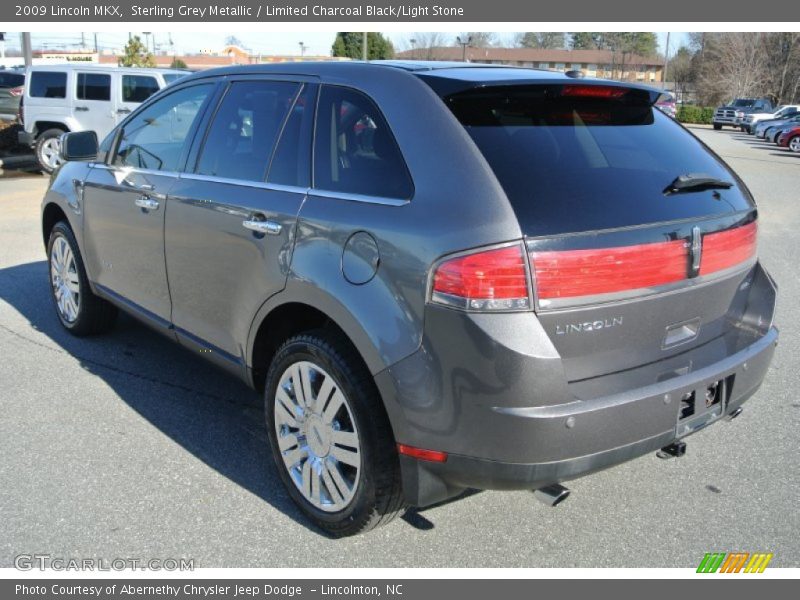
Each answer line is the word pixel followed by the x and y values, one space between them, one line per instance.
pixel 388 252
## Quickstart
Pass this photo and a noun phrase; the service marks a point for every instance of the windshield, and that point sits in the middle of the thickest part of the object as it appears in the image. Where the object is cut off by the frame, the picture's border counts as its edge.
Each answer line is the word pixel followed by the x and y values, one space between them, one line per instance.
pixel 570 163
pixel 744 102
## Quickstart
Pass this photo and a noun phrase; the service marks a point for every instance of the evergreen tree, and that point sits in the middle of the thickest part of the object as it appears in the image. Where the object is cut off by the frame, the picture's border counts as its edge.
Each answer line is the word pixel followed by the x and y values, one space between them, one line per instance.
pixel 135 54
pixel 348 44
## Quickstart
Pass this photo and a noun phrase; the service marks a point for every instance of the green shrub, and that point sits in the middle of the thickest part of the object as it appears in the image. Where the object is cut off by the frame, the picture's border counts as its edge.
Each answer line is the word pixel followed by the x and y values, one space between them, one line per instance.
pixel 695 114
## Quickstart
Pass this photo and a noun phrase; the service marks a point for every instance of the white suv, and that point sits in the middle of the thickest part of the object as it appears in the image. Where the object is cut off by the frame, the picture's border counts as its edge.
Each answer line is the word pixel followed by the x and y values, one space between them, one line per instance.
pixel 71 97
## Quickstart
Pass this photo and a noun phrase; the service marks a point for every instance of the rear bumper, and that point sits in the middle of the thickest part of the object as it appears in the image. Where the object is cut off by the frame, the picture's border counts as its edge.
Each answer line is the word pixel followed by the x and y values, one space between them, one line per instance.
pixel 426 482
pixel 492 393
pixel 25 138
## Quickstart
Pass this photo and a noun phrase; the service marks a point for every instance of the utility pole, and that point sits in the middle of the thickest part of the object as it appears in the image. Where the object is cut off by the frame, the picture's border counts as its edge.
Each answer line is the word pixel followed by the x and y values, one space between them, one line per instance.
pixel 27 48
pixel 95 43
pixel 666 64
pixel 364 46
pixel 302 49
pixel 83 40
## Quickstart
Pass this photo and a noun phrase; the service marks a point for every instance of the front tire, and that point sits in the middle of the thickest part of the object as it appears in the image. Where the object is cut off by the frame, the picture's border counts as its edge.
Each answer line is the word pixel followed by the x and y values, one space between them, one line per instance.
pixel 717 127
pixel 80 311
pixel 794 143
pixel 330 436
pixel 47 148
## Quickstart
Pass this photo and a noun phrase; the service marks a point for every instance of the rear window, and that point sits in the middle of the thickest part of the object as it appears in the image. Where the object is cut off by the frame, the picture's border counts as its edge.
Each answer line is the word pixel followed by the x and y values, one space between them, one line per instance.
pixel 11 79
pixel 138 88
pixel 572 163
pixel 48 84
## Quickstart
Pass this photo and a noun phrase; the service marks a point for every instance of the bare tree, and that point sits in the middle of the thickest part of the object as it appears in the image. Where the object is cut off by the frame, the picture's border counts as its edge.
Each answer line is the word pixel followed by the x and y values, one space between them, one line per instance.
pixel 477 39
pixel 425 45
pixel 734 65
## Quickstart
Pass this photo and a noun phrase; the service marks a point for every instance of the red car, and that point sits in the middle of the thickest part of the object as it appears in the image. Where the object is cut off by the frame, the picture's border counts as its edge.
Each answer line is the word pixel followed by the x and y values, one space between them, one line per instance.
pixel 790 139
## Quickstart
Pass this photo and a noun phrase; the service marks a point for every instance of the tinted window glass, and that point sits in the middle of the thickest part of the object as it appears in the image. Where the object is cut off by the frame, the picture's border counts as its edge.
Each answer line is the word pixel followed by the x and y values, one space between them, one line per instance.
pixel 355 151
pixel 291 164
pixel 572 163
pixel 93 86
pixel 138 88
pixel 11 79
pixel 244 130
pixel 172 77
pixel 48 84
pixel 155 138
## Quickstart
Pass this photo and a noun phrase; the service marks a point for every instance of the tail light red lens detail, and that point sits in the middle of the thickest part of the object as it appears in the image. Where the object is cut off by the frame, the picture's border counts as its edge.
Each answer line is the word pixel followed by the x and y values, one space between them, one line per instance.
pixel 593 91
pixel 486 280
pixel 16 91
pixel 421 454
pixel 571 273
pixel 727 249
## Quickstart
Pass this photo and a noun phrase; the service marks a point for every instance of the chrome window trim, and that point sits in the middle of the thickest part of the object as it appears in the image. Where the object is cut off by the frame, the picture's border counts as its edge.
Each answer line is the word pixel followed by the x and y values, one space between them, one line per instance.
pixel 264 185
pixel 381 200
pixel 138 170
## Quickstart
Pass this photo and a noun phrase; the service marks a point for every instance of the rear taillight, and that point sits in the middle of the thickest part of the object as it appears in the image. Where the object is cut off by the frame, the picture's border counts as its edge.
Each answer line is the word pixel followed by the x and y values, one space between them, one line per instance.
pixel 16 91
pixel 593 91
pixel 487 280
pixel 571 273
pixel 727 249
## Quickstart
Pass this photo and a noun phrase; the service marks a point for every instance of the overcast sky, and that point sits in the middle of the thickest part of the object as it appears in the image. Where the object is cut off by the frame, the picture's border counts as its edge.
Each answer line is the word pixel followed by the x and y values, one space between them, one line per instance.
pixel 268 42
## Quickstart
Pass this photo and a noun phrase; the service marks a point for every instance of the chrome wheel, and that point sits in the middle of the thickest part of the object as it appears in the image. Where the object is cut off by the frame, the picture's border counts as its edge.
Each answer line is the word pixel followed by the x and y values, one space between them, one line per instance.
pixel 64 279
pixel 794 144
pixel 317 436
pixel 49 152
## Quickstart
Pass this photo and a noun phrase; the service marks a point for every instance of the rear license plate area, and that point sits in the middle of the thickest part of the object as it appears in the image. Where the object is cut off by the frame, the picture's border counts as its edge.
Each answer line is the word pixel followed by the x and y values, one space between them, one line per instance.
pixel 702 406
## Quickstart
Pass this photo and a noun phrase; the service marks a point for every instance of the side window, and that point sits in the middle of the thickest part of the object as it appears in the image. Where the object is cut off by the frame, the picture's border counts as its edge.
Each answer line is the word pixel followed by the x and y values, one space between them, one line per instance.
pixel 138 88
pixel 155 138
pixel 291 163
pixel 355 152
pixel 242 135
pixel 93 86
pixel 48 84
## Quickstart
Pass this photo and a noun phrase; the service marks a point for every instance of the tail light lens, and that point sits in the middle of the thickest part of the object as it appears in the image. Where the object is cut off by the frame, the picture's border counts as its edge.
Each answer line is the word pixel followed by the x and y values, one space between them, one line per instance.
pixel 727 249
pixel 16 91
pixel 487 280
pixel 571 273
pixel 575 273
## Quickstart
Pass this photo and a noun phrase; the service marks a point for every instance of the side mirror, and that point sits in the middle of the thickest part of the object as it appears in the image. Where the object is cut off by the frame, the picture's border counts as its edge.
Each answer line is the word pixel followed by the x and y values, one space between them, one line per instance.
pixel 79 145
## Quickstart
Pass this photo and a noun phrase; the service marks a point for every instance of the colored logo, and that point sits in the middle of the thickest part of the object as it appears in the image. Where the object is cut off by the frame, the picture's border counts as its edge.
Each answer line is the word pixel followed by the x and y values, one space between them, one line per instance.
pixel 734 562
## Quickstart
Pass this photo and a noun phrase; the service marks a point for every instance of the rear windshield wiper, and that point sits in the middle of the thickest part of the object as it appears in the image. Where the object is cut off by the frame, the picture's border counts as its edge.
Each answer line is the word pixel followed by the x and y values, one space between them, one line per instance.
pixel 693 182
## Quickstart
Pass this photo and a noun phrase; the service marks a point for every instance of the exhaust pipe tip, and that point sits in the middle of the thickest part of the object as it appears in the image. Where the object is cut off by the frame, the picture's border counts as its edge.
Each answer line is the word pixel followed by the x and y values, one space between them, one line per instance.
pixel 552 495
pixel 735 413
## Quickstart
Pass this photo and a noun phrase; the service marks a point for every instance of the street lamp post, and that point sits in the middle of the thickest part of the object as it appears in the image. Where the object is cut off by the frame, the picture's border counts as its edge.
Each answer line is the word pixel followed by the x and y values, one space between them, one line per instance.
pixel 464 44
pixel 413 43
pixel 302 49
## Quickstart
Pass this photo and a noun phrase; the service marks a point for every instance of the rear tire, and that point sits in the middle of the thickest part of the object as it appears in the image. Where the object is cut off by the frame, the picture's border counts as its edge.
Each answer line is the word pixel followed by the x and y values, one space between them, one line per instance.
pixel 330 437
pixel 794 143
pixel 80 311
pixel 47 147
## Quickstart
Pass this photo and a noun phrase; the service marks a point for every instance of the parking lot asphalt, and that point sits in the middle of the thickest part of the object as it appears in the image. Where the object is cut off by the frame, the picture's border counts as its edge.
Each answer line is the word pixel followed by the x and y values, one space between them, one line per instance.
pixel 128 446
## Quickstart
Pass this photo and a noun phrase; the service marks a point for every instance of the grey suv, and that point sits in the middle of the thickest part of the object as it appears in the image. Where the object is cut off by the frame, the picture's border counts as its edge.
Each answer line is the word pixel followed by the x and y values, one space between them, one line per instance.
pixel 441 276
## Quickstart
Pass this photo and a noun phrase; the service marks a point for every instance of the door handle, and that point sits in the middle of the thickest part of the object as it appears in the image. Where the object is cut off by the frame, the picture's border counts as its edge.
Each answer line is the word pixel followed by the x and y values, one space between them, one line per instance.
pixel 82 108
pixel 146 203
pixel 268 227
pixel 123 111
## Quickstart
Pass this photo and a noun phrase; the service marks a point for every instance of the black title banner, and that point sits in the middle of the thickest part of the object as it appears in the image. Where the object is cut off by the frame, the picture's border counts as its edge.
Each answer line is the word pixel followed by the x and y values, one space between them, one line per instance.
pixel 284 11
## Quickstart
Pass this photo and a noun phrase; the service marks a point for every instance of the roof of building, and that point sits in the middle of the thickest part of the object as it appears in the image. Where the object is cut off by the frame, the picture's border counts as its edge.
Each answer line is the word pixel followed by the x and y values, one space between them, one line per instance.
pixel 531 55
